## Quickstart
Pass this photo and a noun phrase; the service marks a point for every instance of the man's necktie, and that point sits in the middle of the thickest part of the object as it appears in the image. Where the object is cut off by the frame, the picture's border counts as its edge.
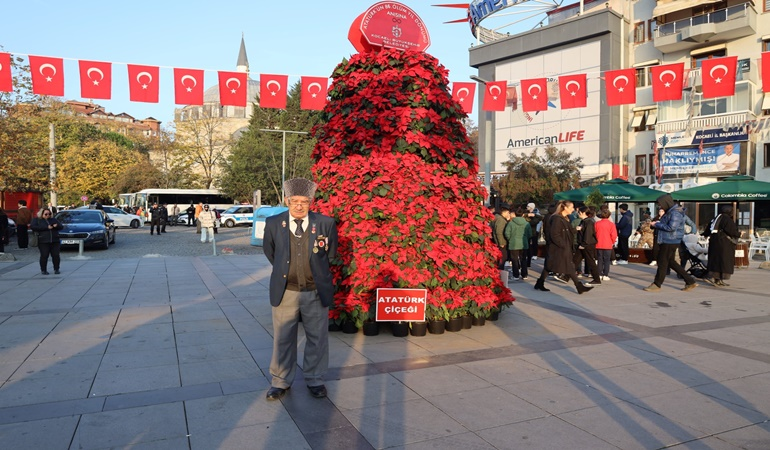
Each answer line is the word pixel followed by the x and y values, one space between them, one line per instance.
pixel 298 232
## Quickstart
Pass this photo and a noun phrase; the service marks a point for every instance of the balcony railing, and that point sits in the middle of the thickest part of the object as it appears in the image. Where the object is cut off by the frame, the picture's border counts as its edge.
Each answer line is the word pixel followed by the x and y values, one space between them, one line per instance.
pixel 722 15
pixel 704 122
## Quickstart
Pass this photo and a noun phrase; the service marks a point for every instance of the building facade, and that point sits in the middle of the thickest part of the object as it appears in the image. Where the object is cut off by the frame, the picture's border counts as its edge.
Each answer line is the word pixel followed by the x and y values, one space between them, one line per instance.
pixel 690 134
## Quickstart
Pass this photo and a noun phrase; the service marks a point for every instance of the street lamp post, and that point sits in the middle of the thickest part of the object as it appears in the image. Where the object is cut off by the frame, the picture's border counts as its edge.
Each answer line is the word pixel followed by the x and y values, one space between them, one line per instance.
pixel 487 143
pixel 283 152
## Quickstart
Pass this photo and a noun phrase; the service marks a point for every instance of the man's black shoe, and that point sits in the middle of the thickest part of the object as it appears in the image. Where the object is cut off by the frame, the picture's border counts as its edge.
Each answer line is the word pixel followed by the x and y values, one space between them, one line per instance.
pixel 275 393
pixel 318 391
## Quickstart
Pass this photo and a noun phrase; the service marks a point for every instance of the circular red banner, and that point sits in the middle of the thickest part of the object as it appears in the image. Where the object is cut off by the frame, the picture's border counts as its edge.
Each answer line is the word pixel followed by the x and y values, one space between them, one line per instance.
pixel 391 25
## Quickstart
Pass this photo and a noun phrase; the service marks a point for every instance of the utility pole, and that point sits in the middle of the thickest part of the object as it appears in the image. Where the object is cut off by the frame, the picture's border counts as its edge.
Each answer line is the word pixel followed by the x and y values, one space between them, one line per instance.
pixel 52 173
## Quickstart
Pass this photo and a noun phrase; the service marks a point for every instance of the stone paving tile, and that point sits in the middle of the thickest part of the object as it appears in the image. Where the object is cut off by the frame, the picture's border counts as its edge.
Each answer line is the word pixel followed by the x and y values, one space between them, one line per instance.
pixel 559 394
pixel 401 423
pixel 212 352
pixel 150 425
pixel 440 380
pixel 749 392
pixel 275 435
pixel 664 346
pixel 700 412
pixel 463 441
pixel 624 383
pixel 111 382
pixel 52 348
pixel 630 427
pixel 754 437
pixel 44 390
pixel 486 408
pixel 49 434
pixel 217 370
pixel 503 371
pixel 79 366
pixel 360 392
pixel 710 443
pixel 722 366
pixel 116 360
pixel 544 433
pixel 233 411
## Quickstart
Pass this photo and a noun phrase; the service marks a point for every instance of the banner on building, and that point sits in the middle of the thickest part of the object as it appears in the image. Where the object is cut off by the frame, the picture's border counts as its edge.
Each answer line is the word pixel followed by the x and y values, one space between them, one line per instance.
pixel 709 136
pixel 719 158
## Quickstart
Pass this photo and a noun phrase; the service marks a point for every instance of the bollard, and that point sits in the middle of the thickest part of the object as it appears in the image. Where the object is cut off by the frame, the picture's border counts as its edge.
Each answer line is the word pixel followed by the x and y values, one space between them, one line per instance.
pixel 81 244
pixel 214 242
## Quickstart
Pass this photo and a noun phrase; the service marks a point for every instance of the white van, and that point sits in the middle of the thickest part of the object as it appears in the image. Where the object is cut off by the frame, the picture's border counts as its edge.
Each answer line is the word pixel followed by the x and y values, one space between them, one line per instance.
pixel 237 215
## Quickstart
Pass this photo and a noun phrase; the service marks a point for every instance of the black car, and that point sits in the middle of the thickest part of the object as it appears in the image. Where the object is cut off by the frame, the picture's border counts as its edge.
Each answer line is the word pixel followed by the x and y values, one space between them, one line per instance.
pixel 90 225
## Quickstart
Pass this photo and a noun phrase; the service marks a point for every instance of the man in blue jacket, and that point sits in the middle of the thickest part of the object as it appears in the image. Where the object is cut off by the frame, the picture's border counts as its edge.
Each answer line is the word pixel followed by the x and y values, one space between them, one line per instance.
pixel 300 245
pixel 625 228
pixel 670 233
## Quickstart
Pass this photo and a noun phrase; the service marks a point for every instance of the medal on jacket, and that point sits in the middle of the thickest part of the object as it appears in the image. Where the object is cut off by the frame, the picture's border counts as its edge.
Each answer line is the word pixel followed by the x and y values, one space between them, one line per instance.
pixel 283 223
pixel 312 231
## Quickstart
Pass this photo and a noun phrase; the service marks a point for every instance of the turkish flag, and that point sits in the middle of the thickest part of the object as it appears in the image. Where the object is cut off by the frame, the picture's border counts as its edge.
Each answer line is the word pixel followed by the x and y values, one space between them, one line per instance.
pixel 6 79
pixel 233 88
pixel 494 96
pixel 143 83
pixel 272 91
pixel 765 72
pixel 620 86
pixel 573 91
pixel 667 82
pixel 313 95
pixel 47 75
pixel 188 86
pixel 464 92
pixel 95 79
pixel 718 76
pixel 534 95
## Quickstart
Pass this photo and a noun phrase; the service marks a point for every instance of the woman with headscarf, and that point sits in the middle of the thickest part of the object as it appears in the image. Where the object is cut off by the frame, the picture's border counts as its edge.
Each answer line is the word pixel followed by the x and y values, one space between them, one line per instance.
pixel 47 229
pixel 721 260
pixel 562 239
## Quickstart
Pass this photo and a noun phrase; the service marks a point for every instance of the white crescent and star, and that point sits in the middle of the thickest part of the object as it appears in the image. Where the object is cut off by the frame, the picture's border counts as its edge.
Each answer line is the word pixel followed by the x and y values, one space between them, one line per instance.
pixel 497 88
pixel 1 67
pixel 314 94
pixel 94 69
pixel 227 84
pixel 139 79
pixel 271 82
pixel 615 82
pixel 539 90
pixel 718 66
pixel 460 91
pixel 188 77
pixel 43 66
pixel 570 83
pixel 673 77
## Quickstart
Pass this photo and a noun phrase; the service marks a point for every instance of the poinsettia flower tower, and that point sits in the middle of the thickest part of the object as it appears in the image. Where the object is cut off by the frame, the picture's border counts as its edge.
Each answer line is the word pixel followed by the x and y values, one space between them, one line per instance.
pixel 395 167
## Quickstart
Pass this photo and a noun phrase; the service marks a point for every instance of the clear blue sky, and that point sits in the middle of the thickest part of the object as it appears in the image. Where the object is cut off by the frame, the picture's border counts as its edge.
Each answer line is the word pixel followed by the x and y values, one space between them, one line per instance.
pixel 284 37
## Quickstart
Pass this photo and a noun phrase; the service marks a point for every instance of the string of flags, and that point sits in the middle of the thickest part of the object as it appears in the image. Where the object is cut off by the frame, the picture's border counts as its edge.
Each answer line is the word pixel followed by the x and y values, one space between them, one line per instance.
pixel 718 77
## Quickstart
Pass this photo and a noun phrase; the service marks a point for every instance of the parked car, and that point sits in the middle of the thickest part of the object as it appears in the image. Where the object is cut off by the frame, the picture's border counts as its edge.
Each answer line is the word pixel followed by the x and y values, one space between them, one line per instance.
pixel 121 218
pixel 238 215
pixel 92 226
pixel 11 227
pixel 182 219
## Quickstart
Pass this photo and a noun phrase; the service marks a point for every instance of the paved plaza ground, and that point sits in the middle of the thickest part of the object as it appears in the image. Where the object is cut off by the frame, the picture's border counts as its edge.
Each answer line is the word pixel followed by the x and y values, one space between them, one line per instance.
pixel 172 352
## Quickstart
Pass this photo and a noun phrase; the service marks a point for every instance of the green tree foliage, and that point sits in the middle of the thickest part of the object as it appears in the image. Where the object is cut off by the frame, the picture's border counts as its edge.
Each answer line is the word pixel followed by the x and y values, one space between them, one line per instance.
pixel 537 178
pixel 169 166
pixel 92 169
pixel 256 159
pixel 595 199
pixel 206 144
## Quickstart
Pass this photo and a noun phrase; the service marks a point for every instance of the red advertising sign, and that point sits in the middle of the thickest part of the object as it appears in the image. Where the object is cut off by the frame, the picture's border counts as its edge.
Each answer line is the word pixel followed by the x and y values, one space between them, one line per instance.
pixel 401 304
pixel 393 25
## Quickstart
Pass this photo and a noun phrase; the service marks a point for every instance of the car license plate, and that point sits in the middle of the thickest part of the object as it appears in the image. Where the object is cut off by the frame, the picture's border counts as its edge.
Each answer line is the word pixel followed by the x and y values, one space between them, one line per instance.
pixel 70 241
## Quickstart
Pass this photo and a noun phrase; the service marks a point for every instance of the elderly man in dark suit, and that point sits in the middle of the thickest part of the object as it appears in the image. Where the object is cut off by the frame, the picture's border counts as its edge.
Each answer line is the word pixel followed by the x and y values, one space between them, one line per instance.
pixel 300 245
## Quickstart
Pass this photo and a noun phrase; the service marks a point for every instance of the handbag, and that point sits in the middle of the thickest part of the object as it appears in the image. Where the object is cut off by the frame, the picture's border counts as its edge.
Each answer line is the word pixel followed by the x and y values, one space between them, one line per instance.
pixel 33 239
pixel 735 241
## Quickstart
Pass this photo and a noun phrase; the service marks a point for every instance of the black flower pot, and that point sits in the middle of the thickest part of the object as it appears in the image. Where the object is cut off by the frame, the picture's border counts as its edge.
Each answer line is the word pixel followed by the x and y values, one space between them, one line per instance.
pixel 419 328
pixel 454 324
pixel 349 327
pixel 479 321
pixel 371 328
pixel 467 322
pixel 334 326
pixel 494 315
pixel 436 326
pixel 400 329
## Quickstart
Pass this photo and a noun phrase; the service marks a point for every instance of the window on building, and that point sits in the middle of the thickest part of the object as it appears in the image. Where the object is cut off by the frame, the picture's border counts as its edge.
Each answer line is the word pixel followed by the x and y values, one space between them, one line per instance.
pixel 637 122
pixel 767 5
pixel 652 119
pixel 642 76
pixel 639 32
pixel 766 43
pixel 697 60
pixel 767 148
pixel 652 24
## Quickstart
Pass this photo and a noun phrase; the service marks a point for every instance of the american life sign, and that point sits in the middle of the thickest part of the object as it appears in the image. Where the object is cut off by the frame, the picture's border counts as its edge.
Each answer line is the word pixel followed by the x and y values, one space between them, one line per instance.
pixel 401 304
pixel 715 158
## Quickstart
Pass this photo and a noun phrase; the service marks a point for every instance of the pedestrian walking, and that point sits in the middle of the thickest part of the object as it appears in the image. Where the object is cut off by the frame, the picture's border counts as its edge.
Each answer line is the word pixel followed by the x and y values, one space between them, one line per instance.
pixel 207 220
pixel 300 245
pixel 723 234
pixel 586 244
pixel 163 217
pixel 190 215
pixel 3 230
pixel 155 215
pixel 562 239
pixel 532 215
pixel 606 233
pixel 625 228
pixel 23 220
pixel 517 233
pixel 498 237
pixel 670 233
pixel 47 229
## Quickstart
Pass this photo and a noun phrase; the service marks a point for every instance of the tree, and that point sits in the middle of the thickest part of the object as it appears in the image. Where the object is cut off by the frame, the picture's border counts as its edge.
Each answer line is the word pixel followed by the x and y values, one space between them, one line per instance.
pixel 168 162
pixel 255 162
pixel 537 178
pixel 206 143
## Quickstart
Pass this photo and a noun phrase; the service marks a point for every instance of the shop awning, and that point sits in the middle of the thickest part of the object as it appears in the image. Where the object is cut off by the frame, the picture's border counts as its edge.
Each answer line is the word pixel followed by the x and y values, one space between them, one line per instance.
pixel 667 7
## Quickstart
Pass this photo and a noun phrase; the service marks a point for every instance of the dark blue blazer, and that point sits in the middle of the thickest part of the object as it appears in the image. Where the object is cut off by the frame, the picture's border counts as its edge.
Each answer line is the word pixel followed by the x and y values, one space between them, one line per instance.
pixel 323 237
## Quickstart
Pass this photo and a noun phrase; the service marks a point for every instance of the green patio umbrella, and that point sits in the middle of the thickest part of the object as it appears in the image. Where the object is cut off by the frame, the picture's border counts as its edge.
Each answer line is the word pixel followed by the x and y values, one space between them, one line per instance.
pixel 617 191
pixel 738 188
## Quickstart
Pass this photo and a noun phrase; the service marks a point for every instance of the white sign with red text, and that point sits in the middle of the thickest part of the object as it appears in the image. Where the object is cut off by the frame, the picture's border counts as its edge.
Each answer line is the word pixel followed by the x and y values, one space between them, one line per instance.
pixel 401 304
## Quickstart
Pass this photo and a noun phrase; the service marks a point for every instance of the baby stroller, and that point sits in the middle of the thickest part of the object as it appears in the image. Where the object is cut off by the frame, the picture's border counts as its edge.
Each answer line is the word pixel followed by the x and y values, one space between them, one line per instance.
pixel 696 266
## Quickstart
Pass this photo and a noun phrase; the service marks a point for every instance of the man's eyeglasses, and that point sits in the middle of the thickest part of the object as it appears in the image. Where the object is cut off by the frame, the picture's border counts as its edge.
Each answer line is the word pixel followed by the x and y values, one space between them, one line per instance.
pixel 299 202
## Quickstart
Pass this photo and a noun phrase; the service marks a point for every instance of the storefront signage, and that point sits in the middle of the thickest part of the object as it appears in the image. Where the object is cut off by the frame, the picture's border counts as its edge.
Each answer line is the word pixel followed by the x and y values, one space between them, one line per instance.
pixel 711 136
pixel 721 158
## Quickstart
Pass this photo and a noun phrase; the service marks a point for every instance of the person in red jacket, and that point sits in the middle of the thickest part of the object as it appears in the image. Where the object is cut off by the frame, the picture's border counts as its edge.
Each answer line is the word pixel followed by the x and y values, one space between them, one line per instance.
pixel 606 234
